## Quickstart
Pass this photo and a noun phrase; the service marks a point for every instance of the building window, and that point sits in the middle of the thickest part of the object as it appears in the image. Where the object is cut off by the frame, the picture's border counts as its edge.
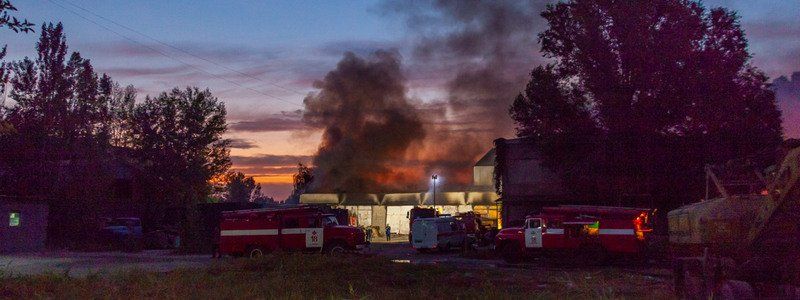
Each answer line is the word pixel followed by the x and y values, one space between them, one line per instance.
pixel 13 219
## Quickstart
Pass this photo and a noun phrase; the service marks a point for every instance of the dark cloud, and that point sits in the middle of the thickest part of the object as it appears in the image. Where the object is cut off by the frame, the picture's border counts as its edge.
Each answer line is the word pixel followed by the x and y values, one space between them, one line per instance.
pixel 269 160
pixel 481 52
pixel 284 121
pixel 242 144
pixel 787 93
pixel 368 123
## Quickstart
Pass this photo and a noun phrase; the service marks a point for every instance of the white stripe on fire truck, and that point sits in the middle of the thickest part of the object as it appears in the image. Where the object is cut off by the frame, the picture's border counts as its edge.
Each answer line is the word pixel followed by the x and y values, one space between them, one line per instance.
pixel 248 232
pixel 617 231
pixel 297 230
pixel 554 231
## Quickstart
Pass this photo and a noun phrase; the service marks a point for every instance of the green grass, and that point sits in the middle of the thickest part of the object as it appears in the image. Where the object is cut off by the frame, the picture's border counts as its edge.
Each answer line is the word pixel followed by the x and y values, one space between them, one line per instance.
pixel 289 276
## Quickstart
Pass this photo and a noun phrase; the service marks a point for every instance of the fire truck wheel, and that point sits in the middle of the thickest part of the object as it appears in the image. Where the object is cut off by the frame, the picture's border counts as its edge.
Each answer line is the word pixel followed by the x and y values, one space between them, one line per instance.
pixel 255 253
pixel 335 249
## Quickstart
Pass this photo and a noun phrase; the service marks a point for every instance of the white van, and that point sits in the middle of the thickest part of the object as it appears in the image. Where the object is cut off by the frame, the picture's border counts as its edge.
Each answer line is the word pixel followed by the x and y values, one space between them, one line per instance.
pixel 440 233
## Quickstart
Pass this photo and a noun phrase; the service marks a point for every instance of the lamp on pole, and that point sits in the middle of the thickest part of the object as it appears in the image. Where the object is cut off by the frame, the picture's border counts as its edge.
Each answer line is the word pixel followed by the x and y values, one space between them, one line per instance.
pixel 434 177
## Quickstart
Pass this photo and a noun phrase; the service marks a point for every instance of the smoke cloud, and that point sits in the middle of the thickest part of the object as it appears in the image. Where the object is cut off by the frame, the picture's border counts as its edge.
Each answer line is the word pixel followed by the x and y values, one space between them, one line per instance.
pixel 485 50
pixel 479 53
pixel 368 124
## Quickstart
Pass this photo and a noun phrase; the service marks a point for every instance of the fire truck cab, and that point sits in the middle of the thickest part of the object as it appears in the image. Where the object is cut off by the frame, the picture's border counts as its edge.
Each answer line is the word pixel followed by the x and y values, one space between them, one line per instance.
pixel 259 231
pixel 577 230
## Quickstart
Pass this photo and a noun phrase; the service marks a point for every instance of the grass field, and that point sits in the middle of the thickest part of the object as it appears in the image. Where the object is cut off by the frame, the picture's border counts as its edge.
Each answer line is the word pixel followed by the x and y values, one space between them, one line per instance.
pixel 290 276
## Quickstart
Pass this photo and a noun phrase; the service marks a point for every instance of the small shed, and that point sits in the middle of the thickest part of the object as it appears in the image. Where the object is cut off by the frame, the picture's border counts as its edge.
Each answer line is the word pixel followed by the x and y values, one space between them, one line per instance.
pixel 23 226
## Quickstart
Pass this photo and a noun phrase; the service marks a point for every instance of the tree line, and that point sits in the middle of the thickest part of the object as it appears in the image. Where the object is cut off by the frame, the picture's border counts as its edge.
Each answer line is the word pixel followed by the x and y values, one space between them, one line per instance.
pixel 80 142
pixel 641 95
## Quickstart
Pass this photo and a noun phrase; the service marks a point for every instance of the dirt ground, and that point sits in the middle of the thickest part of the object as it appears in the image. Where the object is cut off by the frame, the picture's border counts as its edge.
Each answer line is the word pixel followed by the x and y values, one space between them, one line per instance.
pixel 398 250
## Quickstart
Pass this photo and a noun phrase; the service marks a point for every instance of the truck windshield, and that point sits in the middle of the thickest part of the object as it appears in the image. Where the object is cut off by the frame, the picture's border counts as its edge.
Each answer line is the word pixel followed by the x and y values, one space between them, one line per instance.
pixel 534 223
pixel 329 221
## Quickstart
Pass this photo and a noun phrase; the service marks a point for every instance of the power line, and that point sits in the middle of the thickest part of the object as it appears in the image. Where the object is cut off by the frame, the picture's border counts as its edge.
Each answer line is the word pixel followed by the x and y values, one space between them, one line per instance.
pixel 184 51
pixel 172 57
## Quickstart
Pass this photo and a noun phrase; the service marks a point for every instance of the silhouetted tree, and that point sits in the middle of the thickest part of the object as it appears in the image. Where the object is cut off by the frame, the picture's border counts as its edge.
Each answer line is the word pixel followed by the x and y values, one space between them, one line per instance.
pixel 301 181
pixel 15 25
pixel 11 22
pixel 656 89
pixel 239 187
pixel 177 137
pixel 258 196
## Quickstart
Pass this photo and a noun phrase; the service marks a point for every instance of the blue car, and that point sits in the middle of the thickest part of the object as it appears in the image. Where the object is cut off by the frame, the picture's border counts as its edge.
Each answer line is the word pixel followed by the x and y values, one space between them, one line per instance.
pixel 124 232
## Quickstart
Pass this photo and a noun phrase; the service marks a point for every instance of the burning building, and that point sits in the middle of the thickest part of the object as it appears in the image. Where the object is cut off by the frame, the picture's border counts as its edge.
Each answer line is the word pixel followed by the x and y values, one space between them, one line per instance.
pixel 381 209
pixel 526 186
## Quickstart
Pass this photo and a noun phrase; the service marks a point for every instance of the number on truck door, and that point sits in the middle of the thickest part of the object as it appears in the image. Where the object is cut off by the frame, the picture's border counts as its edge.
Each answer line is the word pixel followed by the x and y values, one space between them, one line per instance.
pixel 533 233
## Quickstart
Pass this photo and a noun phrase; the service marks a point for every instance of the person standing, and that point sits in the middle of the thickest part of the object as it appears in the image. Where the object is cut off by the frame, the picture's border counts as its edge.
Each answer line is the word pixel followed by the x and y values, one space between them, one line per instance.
pixel 388 233
pixel 368 234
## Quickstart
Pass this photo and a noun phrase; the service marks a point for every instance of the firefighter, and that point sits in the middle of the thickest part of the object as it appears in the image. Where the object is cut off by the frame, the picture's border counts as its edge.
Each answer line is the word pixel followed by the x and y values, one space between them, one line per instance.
pixel 368 234
pixel 388 233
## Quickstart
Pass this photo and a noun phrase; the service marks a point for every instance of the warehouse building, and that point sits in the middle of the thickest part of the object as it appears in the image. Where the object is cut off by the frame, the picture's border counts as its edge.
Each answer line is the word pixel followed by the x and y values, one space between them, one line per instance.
pixel 526 184
pixel 379 210
pixel 23 227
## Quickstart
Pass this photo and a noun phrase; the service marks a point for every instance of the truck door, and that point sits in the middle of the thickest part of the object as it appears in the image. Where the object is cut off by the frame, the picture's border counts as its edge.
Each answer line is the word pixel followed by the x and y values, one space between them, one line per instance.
pixel 301 232
pixel 533 233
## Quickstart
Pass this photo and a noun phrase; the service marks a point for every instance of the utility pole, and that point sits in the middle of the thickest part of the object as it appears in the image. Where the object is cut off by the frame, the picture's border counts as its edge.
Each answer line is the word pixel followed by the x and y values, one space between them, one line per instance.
pixel 434 177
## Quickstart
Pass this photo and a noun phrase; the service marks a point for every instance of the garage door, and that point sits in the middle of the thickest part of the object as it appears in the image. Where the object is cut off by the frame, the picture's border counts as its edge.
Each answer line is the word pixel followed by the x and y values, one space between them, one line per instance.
pixel 396 217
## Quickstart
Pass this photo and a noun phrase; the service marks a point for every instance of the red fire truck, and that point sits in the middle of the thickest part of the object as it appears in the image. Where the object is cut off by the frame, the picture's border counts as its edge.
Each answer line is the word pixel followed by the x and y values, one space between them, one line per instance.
pixel 588 231
pixel 258 231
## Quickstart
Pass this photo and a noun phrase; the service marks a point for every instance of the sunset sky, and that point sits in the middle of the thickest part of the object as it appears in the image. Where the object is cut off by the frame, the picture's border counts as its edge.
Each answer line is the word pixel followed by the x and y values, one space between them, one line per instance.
pixel 262 57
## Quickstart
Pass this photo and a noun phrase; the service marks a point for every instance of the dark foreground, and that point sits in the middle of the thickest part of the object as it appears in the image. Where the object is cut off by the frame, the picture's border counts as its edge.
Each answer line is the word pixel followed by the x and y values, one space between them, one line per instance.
pixel 318 276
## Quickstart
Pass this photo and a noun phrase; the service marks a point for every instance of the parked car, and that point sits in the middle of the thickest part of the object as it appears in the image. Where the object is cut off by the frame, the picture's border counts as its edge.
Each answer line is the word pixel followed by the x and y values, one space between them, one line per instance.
pixel 440 233
pixel 123 233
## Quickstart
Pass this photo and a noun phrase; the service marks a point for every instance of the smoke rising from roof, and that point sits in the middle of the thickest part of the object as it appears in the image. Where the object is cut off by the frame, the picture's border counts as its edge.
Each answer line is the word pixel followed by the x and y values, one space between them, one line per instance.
pixel 368 123
pixel 376 139
pixel 488 49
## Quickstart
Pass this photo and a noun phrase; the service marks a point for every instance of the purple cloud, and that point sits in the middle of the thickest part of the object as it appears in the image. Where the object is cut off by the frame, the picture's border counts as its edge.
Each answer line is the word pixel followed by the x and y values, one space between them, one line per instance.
pixel 284 121
pixel 242 144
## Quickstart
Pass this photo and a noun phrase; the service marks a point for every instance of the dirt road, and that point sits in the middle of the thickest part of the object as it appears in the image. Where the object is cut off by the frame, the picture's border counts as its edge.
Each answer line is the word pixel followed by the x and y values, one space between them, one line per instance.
pixel 88 263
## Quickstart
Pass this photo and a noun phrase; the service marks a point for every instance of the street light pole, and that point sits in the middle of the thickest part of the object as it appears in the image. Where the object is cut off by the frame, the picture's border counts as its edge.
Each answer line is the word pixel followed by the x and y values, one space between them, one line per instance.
pixel 434 191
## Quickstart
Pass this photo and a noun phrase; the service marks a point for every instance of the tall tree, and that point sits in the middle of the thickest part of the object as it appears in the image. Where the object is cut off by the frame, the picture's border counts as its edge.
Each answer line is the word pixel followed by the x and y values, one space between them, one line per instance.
pixel 11 22
pixel 55 96
pixel 178 138
pixel 239 187
pixel 14 24
pixel 301 181
pixel 661 86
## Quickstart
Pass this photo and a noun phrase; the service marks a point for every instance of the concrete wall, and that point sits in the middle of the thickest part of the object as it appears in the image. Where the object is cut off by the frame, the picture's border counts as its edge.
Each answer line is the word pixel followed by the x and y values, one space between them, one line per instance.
pixel 524 174
pixel 30 234
pixel 483 176
pixel 379 216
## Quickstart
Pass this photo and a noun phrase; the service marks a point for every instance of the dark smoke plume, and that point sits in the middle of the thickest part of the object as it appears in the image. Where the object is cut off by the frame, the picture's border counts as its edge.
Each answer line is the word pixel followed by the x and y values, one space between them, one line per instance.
pixel 485 49
pixel 368 124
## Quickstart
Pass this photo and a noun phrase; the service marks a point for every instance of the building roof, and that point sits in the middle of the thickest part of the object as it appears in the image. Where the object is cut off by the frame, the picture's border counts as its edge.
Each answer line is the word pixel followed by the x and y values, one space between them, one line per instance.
pixel 487 160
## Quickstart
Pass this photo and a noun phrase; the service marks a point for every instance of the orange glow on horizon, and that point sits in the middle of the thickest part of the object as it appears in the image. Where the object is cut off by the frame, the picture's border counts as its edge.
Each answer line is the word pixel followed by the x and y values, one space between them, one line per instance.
pixel 274 179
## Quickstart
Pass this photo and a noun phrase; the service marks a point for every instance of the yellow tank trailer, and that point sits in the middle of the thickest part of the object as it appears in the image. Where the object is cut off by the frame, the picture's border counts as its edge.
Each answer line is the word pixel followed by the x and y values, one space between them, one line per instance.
pixel 745 243
pixel 716 223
